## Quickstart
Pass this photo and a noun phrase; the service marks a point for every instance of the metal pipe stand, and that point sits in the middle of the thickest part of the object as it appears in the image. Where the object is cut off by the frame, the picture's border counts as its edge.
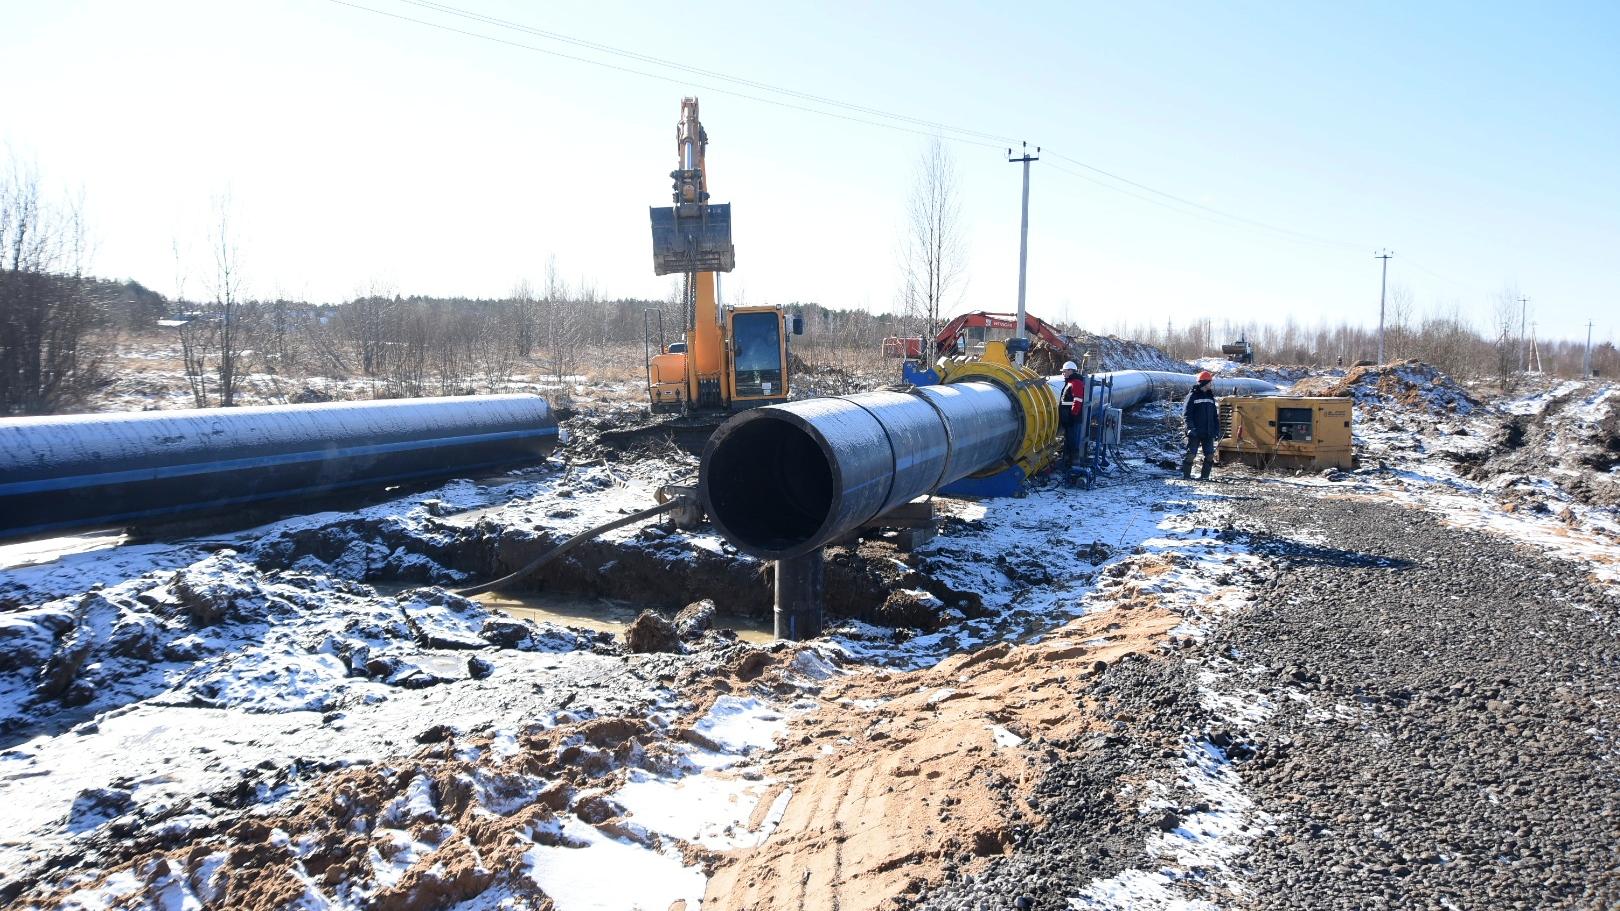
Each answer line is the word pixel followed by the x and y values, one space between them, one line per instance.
pixel 801 593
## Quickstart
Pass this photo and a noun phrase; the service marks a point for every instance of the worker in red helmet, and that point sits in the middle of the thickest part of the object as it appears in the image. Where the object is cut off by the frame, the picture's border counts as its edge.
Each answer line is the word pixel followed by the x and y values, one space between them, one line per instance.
pixel 1203 425
pixel 1070 403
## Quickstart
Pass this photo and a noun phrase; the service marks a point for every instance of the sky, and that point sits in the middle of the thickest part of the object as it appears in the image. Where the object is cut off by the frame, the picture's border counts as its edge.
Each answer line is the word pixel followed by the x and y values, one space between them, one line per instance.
pixel 1250 158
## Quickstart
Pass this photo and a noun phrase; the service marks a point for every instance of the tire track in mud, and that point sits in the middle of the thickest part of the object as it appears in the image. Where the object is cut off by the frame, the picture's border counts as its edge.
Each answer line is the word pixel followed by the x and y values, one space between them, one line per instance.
pixel 905 780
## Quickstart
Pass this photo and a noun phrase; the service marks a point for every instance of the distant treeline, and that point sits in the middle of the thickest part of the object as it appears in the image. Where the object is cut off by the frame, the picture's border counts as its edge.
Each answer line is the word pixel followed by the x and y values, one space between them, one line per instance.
pixel 56 330
pixel 1446 339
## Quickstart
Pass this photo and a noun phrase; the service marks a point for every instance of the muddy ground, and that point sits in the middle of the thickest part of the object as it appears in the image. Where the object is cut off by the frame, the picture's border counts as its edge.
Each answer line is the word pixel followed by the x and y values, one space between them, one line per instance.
pixel 1391 687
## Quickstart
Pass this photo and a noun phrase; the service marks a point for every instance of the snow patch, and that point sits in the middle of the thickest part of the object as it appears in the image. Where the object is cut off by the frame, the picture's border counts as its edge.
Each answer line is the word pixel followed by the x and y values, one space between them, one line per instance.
pixel 591 872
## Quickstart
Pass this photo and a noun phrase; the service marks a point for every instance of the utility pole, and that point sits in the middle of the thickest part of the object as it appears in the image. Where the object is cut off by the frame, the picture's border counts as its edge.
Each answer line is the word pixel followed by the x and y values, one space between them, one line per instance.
pixel 1023 243
pixel 1383 286
pixel 1524 316
pixel 1586 361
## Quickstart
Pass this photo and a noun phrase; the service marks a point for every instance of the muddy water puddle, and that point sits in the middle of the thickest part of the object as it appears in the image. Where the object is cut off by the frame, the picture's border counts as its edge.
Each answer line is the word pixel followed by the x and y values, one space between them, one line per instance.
pixel 604 614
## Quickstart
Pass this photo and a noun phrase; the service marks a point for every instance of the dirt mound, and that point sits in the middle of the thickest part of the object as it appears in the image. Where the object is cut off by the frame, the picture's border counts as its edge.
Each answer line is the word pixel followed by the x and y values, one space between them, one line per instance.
pixel 1112 353
pixel 1557 447
pixel 651 633
pixel 900 778
pixel 1412 385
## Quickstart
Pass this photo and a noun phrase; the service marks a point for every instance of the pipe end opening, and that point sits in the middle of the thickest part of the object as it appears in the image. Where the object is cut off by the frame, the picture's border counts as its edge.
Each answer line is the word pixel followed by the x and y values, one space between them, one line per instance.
pixel 768 485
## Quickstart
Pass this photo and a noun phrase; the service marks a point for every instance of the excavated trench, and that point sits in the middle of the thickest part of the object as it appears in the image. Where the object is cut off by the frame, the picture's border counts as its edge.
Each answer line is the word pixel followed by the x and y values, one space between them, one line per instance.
pixel 655 567
pixel 1580 461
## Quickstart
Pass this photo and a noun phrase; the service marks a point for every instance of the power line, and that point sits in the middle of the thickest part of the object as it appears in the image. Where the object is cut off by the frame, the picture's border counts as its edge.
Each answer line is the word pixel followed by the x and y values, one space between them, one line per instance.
pixel 1466 286
pixel 688 68
pixel 903 122
pixel 1198 205
pixel 1213 216
pixel 683 82
pixel 937 127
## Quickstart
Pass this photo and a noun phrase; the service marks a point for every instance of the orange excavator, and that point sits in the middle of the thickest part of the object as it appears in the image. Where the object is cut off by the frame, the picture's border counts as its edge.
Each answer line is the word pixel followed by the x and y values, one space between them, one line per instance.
pixel 729 358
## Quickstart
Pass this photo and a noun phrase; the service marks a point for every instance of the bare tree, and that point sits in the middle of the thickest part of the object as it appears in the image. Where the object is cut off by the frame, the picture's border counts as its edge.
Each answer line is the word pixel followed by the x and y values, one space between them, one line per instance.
pixel 1505 323
pixel 230 310
pixel 1398 330
pixel 50 356
pixel 406 352
pixel 528 316
pixel 197 335
pixel 365 323
pixel 932 254
pixel 560 325
pixel 498 342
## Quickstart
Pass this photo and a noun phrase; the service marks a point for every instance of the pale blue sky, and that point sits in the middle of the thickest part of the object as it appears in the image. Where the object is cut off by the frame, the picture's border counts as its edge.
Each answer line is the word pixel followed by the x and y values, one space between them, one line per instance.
pixel 1480 142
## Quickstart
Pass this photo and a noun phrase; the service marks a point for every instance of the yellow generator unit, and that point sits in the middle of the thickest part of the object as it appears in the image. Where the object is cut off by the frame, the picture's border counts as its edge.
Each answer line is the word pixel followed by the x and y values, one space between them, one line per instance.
pixel 1286 431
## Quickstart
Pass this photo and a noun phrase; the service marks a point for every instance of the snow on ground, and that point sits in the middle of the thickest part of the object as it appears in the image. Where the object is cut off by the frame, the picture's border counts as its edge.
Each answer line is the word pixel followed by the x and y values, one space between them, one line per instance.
pixel 294 670
pixel 163 687
pixel 1016 554
pixel 173 683
pixel 1538 402
pixel 1190 567
pixel 1282 376
pixel 1420 456
pixel 167 683
pixel 709 801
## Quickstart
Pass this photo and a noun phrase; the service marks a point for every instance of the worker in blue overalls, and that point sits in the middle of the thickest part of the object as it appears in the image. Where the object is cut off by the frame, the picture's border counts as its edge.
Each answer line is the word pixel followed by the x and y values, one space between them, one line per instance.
pixel 1203 425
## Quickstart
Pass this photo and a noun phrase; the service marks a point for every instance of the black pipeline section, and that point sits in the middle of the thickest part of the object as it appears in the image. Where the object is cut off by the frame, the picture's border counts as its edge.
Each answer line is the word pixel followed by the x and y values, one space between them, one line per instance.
pixel 782 480
pixel 101 470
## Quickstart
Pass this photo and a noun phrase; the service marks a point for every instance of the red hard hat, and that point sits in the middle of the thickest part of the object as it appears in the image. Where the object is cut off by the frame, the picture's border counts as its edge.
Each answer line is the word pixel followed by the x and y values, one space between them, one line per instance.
pixel 1205 376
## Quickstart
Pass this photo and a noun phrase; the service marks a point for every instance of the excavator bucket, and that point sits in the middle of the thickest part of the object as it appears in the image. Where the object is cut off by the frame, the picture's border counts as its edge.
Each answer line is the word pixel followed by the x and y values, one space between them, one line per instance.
pixel 692 238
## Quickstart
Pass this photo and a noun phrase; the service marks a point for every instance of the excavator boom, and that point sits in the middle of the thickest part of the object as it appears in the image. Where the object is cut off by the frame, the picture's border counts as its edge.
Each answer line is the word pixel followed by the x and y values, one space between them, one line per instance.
pixel 693 235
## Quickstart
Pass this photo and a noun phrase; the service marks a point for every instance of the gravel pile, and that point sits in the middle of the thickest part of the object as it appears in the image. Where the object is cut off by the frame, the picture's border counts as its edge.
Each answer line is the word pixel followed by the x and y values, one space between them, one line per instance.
pixel 1090 793
pixel 1447 706
pixel 1444 706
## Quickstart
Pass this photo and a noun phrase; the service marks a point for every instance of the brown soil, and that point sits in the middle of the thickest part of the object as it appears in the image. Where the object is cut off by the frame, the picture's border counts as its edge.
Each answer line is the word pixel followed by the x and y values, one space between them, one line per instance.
pixel 913 781
pixel 1391 383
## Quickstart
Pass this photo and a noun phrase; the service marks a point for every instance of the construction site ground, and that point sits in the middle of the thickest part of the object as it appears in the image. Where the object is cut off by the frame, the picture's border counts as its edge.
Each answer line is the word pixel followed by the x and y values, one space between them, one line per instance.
pixel 1393 687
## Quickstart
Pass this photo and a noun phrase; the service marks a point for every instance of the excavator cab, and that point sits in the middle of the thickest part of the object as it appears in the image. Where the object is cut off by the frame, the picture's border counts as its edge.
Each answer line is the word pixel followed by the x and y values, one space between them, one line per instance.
pixel 757 356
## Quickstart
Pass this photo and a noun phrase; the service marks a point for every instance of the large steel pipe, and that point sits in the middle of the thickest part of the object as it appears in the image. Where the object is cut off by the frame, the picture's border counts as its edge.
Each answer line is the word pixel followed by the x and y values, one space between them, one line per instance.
pixel 97 470
pixel 782 480
pixel 1130 388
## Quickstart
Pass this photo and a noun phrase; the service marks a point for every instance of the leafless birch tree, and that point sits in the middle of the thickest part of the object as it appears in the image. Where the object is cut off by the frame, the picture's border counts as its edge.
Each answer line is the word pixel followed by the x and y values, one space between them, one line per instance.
pixel 230 310
pixel 933 253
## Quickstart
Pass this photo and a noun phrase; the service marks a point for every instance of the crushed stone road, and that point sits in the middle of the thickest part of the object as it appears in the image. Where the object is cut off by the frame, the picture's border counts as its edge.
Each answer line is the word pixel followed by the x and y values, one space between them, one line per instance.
pixel 1434 725
pixel 1446 706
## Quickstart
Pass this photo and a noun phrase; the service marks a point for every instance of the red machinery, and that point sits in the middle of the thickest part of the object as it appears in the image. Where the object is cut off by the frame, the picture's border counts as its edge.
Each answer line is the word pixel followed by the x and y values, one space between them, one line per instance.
pixel 966 334
pixel 971 330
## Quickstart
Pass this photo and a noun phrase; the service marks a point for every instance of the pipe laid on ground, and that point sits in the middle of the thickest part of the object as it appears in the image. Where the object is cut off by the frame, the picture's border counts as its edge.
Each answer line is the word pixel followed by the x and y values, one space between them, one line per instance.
pixel 783 480
pixel 100 470
pixel 1137 387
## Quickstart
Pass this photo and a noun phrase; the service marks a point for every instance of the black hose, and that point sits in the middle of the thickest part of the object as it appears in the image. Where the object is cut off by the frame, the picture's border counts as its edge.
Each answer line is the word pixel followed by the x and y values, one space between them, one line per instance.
pixel 537 563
